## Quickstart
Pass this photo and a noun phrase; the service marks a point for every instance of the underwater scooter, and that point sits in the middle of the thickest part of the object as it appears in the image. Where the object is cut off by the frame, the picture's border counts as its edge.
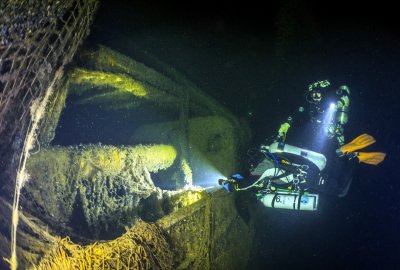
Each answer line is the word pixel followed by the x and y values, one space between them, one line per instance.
pixel 282 177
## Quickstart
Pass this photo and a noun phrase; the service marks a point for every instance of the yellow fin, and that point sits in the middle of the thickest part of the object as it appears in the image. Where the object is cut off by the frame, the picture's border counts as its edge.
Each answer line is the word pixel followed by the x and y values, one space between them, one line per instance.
pixel 372 158
pixel 360 142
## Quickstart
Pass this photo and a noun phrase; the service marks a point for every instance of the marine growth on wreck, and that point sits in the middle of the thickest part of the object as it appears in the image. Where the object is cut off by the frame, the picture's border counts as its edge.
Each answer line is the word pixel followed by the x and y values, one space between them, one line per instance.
pixel 139 203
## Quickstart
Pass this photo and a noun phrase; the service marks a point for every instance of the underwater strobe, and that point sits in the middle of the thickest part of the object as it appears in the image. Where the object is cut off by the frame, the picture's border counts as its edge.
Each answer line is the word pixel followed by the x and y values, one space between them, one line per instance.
pixel 291 200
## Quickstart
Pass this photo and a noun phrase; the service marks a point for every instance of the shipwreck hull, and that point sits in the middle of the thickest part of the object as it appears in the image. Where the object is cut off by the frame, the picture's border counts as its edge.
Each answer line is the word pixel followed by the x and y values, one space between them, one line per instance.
pixel 133 204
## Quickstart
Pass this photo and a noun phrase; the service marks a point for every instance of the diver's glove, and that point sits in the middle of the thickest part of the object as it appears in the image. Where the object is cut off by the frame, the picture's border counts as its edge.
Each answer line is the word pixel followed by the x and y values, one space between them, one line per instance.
pixel 283 129
pixel 231 184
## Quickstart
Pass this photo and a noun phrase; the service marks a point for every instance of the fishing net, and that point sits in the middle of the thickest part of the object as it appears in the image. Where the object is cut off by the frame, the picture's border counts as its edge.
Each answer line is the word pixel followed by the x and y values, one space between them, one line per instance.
pixel 141 247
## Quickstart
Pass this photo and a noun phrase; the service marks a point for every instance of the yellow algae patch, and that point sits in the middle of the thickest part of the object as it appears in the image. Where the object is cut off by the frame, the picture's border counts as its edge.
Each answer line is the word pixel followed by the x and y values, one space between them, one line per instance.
pixel 183 198
pixel 102 79
pixel 109 159
pixel 112 160
pixel 190 197
pixel 187 172
pixel 156 157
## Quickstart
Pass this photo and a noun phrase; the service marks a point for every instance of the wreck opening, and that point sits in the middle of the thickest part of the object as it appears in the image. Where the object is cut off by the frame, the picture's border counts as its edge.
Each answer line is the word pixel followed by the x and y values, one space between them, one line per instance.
pixel 96 123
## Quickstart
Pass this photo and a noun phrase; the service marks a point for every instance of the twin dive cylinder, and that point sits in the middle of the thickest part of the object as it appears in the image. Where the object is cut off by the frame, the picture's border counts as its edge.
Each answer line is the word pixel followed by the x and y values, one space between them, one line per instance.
pixel 290 200
pixel 342 110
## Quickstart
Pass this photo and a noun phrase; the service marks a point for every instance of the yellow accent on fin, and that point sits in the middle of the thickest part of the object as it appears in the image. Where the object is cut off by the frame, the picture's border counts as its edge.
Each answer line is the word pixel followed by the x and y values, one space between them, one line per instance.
pixel 372 158
pixel 360 142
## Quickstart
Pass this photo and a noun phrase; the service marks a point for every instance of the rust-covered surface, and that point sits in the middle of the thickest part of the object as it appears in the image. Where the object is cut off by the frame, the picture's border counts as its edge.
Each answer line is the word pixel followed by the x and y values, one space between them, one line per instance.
pixel 214 233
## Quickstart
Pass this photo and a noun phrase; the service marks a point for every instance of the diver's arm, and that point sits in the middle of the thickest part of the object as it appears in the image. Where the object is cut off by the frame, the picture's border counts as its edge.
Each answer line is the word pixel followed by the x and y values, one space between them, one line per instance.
pixel 237 182
pixel 285 125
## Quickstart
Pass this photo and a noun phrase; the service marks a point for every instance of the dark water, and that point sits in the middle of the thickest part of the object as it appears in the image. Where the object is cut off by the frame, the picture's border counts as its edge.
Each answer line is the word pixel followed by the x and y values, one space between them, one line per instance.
pixel 260 60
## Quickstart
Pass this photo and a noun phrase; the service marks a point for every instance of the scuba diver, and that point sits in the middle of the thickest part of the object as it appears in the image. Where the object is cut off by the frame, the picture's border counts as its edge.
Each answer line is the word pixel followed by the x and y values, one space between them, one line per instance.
pixel 291 177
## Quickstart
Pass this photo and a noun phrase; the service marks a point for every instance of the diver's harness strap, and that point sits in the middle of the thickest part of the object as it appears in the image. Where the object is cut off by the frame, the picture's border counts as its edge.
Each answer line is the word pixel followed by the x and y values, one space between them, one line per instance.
pixel 273 200
pixel 288 170
pixel 301 192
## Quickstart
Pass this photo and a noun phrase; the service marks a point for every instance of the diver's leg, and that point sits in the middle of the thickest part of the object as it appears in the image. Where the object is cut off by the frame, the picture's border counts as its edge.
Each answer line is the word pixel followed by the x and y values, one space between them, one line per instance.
pixel 323 183
pixel 338 180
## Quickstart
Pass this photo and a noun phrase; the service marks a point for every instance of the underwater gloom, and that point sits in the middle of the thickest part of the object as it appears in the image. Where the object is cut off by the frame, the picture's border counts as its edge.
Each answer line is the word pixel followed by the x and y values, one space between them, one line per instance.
pixel 209 135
